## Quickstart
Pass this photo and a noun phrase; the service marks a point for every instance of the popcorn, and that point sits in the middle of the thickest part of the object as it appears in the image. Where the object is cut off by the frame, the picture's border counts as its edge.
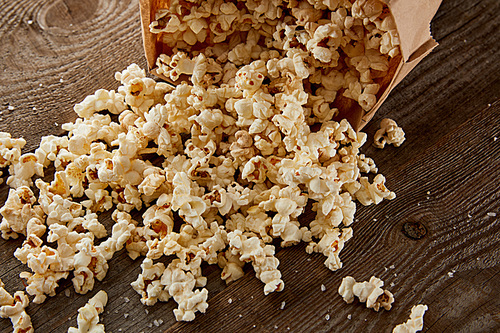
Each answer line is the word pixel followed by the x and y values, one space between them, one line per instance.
pixel 101 100
pixel 18 211
pixel 368 291
pixel 41 285
pixel 180 284
pixel 416 321
pixel 10 149
pixel 389 133
pixel 373 193
pixel 148 283
pixel 224 162
pixel 23 170
pixel 13 308
pixel 88 315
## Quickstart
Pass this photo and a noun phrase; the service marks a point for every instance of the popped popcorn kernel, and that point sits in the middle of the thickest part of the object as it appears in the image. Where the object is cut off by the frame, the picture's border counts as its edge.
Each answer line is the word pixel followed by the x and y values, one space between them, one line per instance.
pixel 369 292
pixel 389 133
pixel 416 321
pixel 88 315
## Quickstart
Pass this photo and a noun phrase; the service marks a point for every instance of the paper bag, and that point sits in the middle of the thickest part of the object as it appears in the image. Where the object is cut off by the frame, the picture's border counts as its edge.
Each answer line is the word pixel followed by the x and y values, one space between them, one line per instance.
pixel 413 23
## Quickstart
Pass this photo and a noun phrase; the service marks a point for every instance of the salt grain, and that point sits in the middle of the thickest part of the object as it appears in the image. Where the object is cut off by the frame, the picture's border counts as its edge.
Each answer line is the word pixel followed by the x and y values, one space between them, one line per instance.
pixel 40 85
pixel 11 108
pixel 240 315
pixel 61 80
pixel 349 316
pixel 275 327
pixel 30 22
pixel 125 315
pixel 327 317
pixel 392 284
pixel 230 300
pixel 391 267
pixel 146 310
pixel 428 192
pixel 126 299
pixel 323 288
pixel 160 321
pixel 450 274
pixel 67 293
pixel 491 214
pixel 150 325
pixel 156 323
pixel 282 305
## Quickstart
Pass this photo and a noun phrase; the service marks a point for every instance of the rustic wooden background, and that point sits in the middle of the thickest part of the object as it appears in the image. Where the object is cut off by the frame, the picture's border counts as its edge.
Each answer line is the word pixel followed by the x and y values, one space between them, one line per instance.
pixel 446 175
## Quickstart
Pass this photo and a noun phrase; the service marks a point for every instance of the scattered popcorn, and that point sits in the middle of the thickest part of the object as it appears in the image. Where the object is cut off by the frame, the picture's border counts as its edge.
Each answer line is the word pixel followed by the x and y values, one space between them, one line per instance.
pixel 245 142
pixel 368 291
pixel 13 307
pixel 389 133
pixel 416 321
pixel 88 315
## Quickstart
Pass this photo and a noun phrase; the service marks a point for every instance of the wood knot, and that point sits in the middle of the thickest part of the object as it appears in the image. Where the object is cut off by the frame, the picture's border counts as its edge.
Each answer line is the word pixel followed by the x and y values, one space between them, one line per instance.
pixel 414 230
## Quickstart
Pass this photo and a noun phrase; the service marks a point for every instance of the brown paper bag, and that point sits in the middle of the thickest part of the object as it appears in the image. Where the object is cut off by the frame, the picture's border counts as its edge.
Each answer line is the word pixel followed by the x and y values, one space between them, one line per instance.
pixel 413 23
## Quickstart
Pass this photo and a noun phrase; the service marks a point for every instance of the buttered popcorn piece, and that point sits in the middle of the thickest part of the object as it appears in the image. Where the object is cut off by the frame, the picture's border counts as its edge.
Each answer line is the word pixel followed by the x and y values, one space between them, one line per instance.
pixel 416 321
pixel 369 292
pixel 389 133
pixel 13 307
pixel 88 315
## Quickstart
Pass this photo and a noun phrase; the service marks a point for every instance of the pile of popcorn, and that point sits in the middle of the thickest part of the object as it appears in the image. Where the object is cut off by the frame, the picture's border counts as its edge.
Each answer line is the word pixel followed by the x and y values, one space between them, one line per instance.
pixel 219 165
pixel 337 51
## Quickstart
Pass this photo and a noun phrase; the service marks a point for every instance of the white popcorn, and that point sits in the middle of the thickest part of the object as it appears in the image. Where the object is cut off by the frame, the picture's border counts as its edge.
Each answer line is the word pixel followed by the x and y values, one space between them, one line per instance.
pixel 368 291
pixel 389 133
pixel 23 170
pixel 180 284
pixel 148 283
pixel 88 315
pixel 375 192
pixel 232 266
pixel 41 285
pixel 416 321
pixel 10 149
pixel 101 100
pixel 17 211
pixel 262 258
pixel 89 264
pixel 139 94
pixel 13 307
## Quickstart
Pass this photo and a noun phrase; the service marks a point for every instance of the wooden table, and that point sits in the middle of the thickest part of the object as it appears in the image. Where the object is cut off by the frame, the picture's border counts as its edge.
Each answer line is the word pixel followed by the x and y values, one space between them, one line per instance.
pixel 446 175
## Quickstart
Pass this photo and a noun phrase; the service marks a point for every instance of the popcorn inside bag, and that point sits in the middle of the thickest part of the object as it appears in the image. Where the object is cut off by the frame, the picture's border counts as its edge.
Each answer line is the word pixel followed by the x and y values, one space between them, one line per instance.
pixel 220 164
pixel 350 54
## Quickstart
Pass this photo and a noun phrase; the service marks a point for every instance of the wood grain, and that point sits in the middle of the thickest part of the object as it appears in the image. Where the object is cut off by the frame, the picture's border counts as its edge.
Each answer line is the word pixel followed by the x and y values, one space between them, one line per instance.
pixel 450 110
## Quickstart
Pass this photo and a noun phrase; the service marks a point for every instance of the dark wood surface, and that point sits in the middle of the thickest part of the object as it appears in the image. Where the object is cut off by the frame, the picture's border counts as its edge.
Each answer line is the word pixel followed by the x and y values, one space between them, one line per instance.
pixel 448 106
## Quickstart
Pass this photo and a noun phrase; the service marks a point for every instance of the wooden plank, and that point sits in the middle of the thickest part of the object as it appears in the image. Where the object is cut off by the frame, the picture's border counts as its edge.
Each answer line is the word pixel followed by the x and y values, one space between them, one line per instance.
pixel 443 107
pixel 468 248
